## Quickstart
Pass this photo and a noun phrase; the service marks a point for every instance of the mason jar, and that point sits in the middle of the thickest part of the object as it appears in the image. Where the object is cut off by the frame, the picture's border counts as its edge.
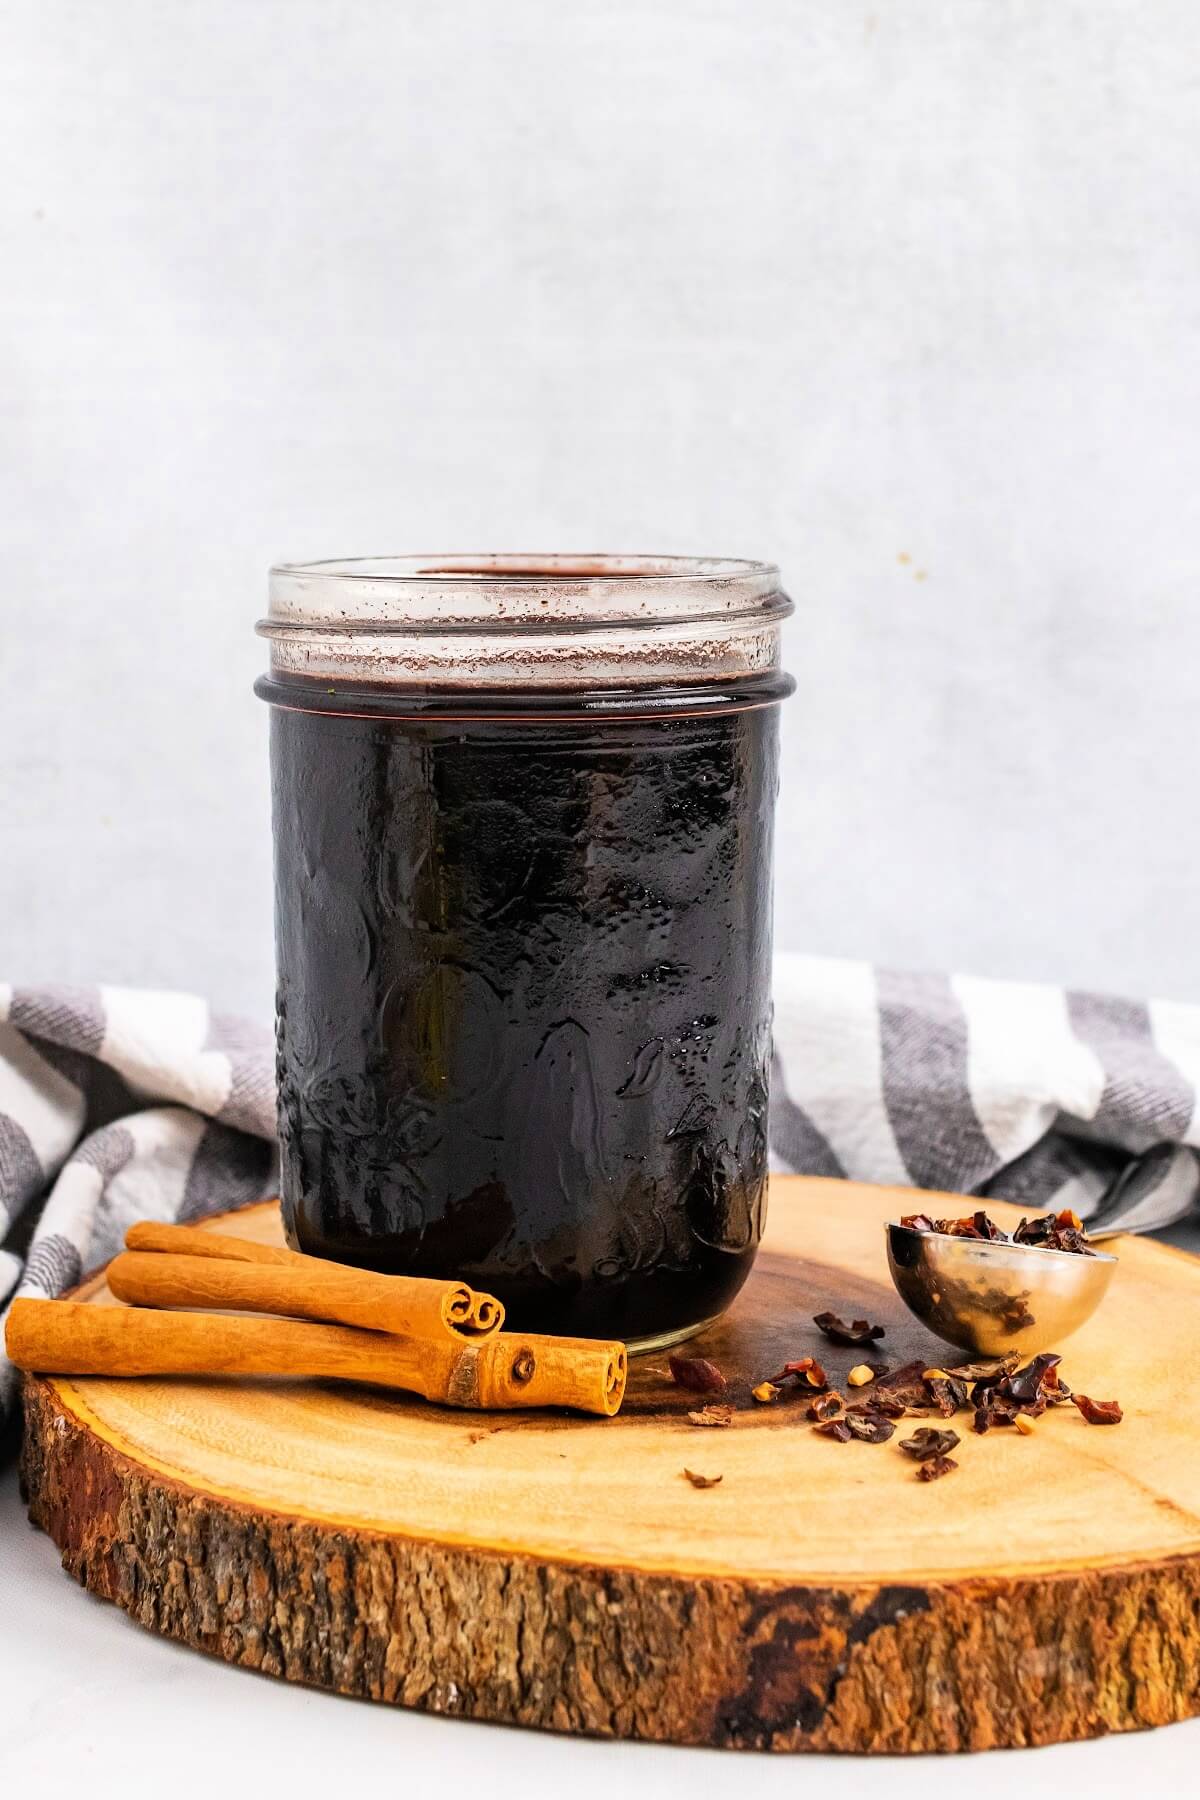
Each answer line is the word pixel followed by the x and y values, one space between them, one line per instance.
pixel 523 813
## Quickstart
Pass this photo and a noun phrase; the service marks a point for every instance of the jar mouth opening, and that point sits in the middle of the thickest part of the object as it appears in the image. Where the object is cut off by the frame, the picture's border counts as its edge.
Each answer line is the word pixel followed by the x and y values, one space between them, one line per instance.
pixel 518 596
pixel 523 569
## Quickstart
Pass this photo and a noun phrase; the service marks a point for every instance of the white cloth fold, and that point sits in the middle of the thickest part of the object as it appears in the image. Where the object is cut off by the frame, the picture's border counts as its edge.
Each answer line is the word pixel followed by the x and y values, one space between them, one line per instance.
pixel 87 1145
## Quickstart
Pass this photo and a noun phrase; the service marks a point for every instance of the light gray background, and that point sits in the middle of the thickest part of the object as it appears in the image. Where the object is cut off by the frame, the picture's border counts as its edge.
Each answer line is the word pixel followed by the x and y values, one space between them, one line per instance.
pixel 903 295
pixel 844 284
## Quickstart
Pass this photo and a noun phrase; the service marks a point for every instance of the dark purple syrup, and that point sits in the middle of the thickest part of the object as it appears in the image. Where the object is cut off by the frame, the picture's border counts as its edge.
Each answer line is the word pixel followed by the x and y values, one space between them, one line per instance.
pixel 523 1007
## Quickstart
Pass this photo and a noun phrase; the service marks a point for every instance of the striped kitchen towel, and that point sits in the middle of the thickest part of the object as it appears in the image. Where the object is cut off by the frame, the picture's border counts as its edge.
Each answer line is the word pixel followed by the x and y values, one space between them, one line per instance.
pixel 1009 1090
pixel 118 1104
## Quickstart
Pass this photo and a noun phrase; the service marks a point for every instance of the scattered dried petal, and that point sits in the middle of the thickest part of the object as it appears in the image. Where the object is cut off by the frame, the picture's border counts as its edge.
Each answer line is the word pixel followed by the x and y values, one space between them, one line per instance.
pixel 870 1427
pixel 927 1442
pixel 934 1467
pixel 1025 1387
pixel 825 1406
pixel 947 1393
pixel 765 1392
pixel 994 1410
pixel 906 1384
pixel 1055 1231
pixel 834 1428
pixel 860 1374
pixel 702 1481
pixel 697 1374
pixel 857 1332
pixel 987 1371
pixel 807 1372
pixel 1098 1412
pixel 1054 1389
pixel 977 1225
pixel 887 1405
pixel 712 1415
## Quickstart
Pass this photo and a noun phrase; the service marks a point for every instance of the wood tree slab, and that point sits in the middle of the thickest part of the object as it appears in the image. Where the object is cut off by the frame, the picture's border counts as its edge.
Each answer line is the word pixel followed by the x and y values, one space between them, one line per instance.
pixel 560 1572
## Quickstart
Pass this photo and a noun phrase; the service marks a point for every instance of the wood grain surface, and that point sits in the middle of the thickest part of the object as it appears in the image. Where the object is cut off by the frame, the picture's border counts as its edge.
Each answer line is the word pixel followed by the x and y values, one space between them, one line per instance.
pixel 561 1572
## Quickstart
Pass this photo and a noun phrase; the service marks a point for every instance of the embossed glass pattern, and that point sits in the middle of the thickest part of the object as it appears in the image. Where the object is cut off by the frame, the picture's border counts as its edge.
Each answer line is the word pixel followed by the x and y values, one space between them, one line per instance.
pixel 523 820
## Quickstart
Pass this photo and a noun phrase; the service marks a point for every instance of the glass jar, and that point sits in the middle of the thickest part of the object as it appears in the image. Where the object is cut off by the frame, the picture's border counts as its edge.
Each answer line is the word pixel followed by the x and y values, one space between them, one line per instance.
pixel 523 814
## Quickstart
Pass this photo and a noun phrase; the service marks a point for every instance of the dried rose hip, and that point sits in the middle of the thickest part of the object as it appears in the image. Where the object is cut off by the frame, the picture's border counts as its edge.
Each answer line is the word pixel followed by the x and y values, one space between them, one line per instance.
pixel 999 1397
pixel 994 1409
pixel 858 1332
pixel 834 1428
pixel 712 1415
pixel 1026 1385
pixel 934 1467
pixel 886 1405
pixel 978 1225
pixel 927 1442
pixel 702 1481
pixel 805 1373
pixel 987 1371
pixel 870 1428
pixel 906 1384
pixel 1098 1412
pixel 947 1392
pixel 825 1406
pixel 697 1374
pixel 1055 1231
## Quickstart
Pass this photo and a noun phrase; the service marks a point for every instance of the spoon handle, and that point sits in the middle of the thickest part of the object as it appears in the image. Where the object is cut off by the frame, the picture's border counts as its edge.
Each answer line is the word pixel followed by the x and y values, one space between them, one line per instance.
pixel 1149 1194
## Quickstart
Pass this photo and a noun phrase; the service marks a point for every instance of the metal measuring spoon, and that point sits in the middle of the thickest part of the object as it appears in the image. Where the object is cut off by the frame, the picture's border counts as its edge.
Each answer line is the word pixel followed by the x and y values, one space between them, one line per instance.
pixel 990 1297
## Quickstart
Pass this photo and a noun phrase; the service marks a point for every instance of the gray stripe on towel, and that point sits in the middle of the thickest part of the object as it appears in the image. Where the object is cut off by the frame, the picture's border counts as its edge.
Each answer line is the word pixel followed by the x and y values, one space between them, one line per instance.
pixel 251 1102
pixel 923 1039
pixel 54 1264
pixel 228 1170
pixel 75 1066
pixel 1146 1100
pixel 107 1150
pixel 21 1173
pixel 793 1134
pixel 70 1016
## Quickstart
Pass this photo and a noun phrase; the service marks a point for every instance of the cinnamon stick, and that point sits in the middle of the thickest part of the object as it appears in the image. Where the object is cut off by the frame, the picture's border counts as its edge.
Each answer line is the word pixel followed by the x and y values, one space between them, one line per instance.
pixel 502 1372
pixel 219 1270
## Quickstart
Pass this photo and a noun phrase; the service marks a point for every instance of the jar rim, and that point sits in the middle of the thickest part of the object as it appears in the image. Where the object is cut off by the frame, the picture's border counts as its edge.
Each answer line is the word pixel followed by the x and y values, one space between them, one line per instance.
pixel 527 569
pixel 516 594
pixel 520 621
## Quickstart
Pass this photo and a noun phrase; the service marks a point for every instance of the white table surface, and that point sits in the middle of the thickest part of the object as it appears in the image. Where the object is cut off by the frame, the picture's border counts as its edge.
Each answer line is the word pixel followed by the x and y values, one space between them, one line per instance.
pixel 87 1697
